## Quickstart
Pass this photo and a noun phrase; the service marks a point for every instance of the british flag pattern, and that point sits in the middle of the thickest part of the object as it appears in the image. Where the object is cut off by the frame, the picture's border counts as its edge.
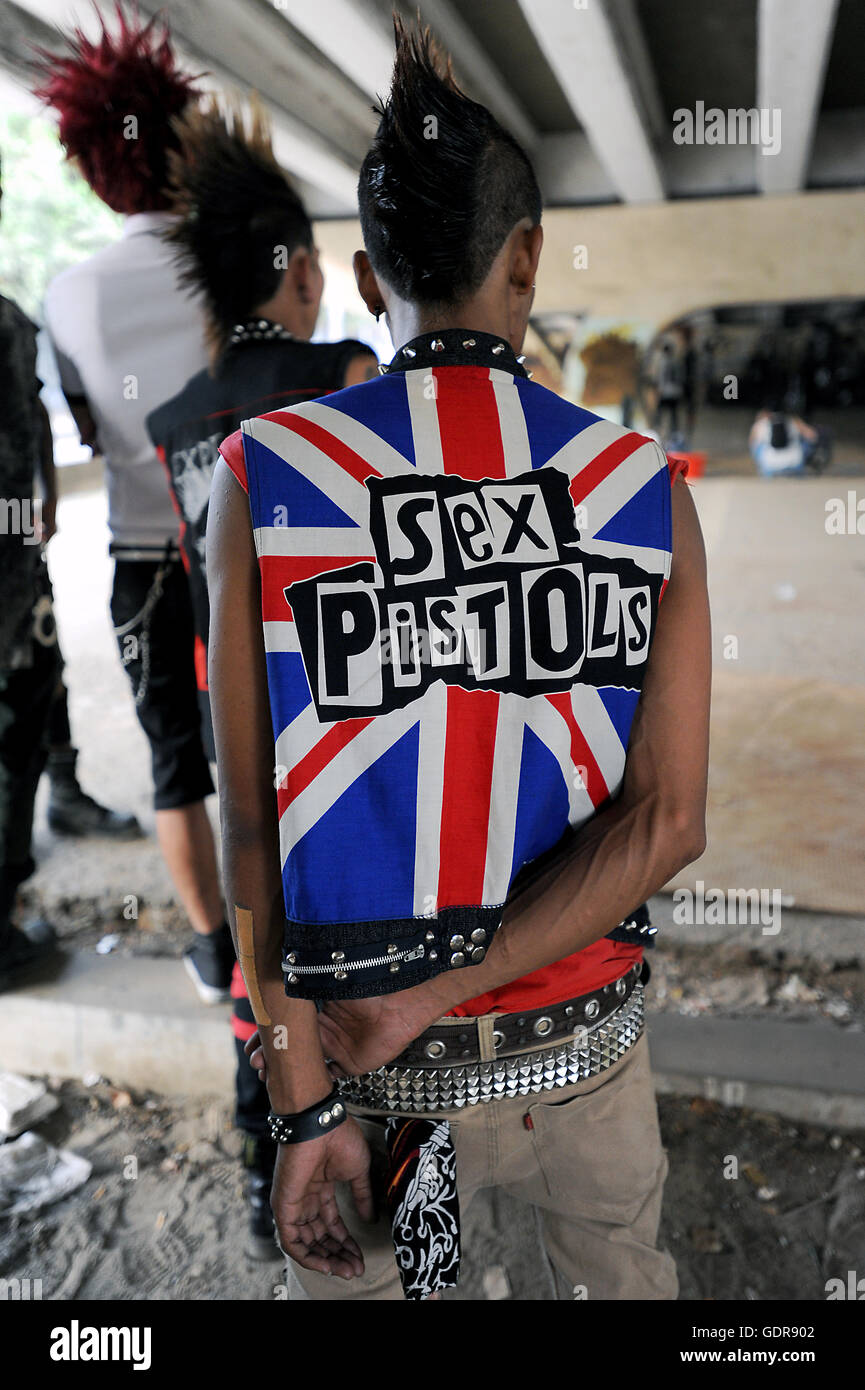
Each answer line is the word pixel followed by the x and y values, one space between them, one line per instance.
pixel 397 807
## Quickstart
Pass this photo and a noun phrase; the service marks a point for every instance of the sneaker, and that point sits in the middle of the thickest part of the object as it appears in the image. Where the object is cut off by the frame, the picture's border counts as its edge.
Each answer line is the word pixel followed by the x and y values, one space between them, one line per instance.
pixel 209 962
pixel 259 1158
pixel 20 951
pixel 72 812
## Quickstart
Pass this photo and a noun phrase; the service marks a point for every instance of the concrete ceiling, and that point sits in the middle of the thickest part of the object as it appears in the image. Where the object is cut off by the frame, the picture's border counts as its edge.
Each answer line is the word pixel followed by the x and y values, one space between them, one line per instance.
pixel 591 87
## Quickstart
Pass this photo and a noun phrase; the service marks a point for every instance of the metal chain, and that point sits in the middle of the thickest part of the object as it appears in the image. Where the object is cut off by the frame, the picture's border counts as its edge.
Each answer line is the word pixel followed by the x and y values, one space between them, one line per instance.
pixel 142 618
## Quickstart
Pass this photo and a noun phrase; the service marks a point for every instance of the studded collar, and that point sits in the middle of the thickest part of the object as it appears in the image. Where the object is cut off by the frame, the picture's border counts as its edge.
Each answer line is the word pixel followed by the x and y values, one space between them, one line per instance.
pixel 258 329
pixel 456 347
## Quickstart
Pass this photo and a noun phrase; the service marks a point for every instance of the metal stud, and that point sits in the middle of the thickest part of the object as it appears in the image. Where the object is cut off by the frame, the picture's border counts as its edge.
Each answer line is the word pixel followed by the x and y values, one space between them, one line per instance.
pixel 433 955
pixel 593 1008
pixel 498 1038
pixel 409 352
pixel 457 942
pixel 340 974
pixel 430 936
pixel 435 1048
pixel 383 369
pixel 337 955
pixel 621 986
pixel 338 1110
pixel 477 955
pixel 292 980
pixel 437 345
pixel 542 1026
pixel 478 935
pixel 392 950
pixel 470 342
pixel 291 958
pixel 394 967
pixel 457 959
pixel 498 349
pixel 325 1118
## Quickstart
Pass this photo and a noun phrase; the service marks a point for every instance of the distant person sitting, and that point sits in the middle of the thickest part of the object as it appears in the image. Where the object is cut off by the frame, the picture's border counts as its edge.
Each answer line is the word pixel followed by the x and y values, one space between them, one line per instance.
pixel 783 445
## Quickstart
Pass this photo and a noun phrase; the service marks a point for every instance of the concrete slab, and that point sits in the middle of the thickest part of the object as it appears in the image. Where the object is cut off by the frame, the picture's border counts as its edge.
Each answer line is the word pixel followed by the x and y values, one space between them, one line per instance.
pixel 808 1071
pixel 131 1019
pixel 827 938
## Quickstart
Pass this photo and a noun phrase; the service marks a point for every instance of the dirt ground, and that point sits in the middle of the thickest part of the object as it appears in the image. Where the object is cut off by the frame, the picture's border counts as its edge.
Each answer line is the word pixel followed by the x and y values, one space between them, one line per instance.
pixel 790 1215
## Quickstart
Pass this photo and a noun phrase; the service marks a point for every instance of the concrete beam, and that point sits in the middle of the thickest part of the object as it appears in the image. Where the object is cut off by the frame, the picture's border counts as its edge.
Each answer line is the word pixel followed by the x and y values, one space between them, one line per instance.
pixel 582 47
pixel 793 40
pixel 471 65
pixel 354 38
pixel 213 38
pixel 569 171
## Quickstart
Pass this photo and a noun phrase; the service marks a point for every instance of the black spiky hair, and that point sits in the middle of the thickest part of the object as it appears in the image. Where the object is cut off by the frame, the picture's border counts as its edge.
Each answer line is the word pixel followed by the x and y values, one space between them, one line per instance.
pixel 238 215
pixel 443 185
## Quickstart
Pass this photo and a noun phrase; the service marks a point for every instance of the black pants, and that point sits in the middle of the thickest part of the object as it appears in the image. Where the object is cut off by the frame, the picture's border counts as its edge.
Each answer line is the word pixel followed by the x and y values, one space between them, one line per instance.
pixel 25 700
pixel 252 1104
pixel 158 656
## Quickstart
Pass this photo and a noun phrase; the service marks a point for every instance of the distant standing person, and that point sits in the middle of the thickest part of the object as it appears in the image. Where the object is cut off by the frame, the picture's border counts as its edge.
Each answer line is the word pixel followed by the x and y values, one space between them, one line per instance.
pixel 244 241
pixel 670 389
pixel 690 360
pixel 125 334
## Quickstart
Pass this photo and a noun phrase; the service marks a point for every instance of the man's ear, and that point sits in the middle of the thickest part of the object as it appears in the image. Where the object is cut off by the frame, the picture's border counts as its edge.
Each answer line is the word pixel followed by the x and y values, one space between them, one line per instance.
pixel 367 284
pixel 300 269
pixel 526 254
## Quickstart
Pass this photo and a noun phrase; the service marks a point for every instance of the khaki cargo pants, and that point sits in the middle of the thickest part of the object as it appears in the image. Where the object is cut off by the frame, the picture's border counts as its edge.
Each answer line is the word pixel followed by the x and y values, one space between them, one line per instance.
pixel 592 1163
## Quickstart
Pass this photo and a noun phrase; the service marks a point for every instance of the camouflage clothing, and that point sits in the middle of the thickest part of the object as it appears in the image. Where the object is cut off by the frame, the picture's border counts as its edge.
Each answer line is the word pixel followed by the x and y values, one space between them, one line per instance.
pixel 23 577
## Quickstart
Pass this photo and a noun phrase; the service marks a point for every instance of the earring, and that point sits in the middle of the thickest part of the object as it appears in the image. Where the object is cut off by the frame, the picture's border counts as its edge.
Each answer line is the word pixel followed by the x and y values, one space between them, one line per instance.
pixel 378 312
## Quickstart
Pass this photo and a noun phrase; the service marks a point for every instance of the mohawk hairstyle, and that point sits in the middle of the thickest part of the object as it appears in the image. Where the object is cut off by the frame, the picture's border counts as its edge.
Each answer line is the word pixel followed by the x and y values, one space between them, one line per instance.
pixel 236 208
pixel 96 86
pixel 443 185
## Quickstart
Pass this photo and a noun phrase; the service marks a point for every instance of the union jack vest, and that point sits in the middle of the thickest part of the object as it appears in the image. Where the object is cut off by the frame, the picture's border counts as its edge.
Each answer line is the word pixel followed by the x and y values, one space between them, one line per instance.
pixel 460 578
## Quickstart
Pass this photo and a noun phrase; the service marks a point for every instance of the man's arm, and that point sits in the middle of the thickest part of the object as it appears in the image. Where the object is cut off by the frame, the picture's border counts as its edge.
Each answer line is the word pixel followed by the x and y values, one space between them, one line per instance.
pixel 47 475
pixel 304 1205
pixel 657 825
pixel 620 857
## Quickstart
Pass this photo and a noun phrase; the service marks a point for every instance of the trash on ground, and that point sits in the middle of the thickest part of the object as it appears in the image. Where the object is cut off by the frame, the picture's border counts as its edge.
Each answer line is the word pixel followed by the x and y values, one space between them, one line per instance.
pixel 23 1103
pixel 33 1173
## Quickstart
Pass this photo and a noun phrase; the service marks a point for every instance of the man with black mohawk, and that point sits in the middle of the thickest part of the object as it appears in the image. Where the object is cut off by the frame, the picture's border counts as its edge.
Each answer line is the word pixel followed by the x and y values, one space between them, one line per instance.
pixel 125 335
pixel 244 243
pixel 436 608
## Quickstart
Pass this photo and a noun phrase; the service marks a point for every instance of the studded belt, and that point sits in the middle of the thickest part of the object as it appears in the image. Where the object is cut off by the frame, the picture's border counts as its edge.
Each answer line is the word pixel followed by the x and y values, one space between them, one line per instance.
pixel 458 1040
pixel 415 1089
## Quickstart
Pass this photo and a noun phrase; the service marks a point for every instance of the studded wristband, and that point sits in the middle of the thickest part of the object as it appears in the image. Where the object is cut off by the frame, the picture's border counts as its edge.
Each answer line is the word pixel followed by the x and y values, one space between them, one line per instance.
pixel 311 1123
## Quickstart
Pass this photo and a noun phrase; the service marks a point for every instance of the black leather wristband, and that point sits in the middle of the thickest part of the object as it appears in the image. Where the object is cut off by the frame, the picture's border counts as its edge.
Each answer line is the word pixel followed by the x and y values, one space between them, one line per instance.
pixel 312 1123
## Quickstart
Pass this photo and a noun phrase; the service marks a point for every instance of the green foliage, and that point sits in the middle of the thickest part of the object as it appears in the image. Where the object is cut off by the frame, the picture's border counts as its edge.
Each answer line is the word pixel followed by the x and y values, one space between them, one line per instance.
pixel 50 218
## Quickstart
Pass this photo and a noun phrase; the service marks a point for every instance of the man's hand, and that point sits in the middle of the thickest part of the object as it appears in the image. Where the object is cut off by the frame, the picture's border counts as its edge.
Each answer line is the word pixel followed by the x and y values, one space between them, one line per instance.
pixel 359 1035
pixel 48 519
pixel 303 1199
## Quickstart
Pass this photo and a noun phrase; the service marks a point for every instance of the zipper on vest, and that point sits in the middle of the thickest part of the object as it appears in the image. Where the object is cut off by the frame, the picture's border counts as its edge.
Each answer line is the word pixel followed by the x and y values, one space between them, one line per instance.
pixel 412 953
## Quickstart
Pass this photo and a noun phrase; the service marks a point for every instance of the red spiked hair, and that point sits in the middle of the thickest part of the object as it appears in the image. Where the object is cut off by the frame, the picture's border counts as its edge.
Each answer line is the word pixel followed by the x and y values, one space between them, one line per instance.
pixel 96 87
